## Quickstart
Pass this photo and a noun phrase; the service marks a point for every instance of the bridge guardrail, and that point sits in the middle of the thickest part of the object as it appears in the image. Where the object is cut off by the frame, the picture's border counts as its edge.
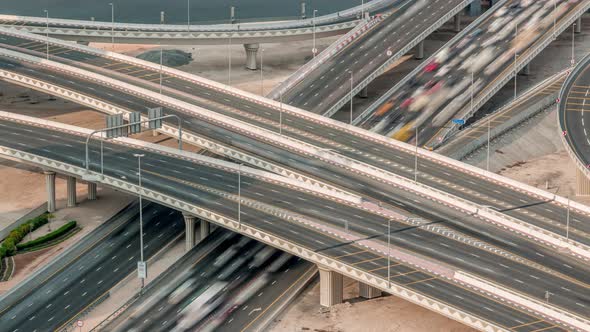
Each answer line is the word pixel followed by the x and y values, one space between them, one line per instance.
pixel 332 18
pixel 508 73
pixel 329 157
pixel 395 57
pixel 326 54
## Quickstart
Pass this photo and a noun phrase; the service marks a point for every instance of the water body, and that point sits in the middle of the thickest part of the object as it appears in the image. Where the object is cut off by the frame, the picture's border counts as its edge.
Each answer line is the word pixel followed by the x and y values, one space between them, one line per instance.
pixel 148 11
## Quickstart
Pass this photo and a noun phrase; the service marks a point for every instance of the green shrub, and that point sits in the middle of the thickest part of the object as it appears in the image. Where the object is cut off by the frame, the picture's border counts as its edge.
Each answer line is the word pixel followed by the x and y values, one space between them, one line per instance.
pixel 9 245
pixel 48 237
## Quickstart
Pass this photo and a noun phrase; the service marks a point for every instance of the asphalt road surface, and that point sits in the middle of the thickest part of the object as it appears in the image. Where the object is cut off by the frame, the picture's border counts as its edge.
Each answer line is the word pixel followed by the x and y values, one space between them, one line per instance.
pixel 472 65
pixel 330 82
pixel 93 274
pixel 164 303
pixel 547 215
pixel 156 175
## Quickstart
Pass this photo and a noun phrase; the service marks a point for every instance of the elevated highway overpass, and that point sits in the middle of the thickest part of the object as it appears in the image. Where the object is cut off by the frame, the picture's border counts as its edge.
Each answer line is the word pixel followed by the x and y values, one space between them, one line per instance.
pixel 416 277
pixel 323 85
pixel 488 50
pixel 194 34
pixel 545 211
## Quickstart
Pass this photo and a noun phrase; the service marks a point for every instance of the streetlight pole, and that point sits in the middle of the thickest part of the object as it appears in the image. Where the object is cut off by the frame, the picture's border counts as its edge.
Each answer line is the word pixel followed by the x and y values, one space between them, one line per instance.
pixel 239 196
pixel 261 73
pixel 389 253
pixel 314 50
pixel 161 54
pixel 472 91
pixel 351 96
pixel 139 156
pixel 416 156
pixel 362 9
pixel 47 31
pixel 188 15
pixel 281 113
pixel 489 139
pixel 554 19
pixel 567 221
pixel 515 72
pixel 573 44
pixel 231 22
pixel 112 25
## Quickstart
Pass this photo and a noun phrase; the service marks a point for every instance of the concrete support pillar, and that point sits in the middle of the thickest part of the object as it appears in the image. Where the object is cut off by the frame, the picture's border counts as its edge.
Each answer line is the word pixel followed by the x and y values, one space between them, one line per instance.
pixel 578 28
pixel 420 51
pixel 71 186
pixel 364 92
pixel 50 185
pixel 457 21
pixel 475 8
pixel 205 229
pixel 189 233
pixel 582 184
pixel 368 292
pixel 92 192
pixel 251 54
pixel 331 288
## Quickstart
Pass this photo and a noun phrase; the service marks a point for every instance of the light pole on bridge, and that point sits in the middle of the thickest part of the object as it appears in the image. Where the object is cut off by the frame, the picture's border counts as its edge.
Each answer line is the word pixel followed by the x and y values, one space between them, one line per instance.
pixel 139 156
pixel 112 25
pixel 47 31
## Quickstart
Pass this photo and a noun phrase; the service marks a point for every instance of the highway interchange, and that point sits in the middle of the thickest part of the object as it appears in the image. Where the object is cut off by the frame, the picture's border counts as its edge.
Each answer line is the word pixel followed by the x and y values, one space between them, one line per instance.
pixel 452 251
pixel 330 82
pixel 441 89
pixel 552 217
pixel 547 215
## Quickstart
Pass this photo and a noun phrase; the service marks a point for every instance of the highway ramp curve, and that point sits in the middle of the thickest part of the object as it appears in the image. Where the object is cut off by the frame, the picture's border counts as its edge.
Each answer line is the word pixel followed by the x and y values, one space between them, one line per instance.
pixel 573 115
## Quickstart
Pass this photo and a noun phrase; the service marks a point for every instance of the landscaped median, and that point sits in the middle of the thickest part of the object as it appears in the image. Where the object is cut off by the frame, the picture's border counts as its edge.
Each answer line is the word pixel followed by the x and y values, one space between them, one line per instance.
pixel 8 247
pixel 47 239
pixel 11 245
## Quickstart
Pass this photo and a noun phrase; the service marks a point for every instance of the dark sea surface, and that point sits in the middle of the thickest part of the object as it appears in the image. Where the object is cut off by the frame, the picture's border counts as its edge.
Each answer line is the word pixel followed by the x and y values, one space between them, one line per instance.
pixel 148 11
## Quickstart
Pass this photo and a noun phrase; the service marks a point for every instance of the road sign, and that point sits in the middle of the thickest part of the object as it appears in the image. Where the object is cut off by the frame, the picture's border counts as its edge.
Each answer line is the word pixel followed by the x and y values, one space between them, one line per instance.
pixel 79 323
pixel 142 270
pixel 134 117
pixel 154 113
pixel 459 122
pixel 113 121
pixel 389 52
pixel 314 50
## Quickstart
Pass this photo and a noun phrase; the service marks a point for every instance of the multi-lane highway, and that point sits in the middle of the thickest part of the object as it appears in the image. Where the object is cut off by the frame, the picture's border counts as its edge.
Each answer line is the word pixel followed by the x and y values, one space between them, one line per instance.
pixel 459 78
pixel 546 214
pixel 322 88
pixel 75 287
pixel 160 173
pixel 254 279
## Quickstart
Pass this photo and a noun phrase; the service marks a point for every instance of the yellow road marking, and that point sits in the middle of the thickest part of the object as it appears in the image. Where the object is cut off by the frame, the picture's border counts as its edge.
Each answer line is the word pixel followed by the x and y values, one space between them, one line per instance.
pixel 527 324
pixel 543 329
pixel 418 281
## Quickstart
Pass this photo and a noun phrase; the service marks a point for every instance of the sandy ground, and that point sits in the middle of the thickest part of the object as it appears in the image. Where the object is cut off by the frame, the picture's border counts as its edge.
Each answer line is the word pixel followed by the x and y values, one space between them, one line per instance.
pixel 384 314
pixel 88 214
